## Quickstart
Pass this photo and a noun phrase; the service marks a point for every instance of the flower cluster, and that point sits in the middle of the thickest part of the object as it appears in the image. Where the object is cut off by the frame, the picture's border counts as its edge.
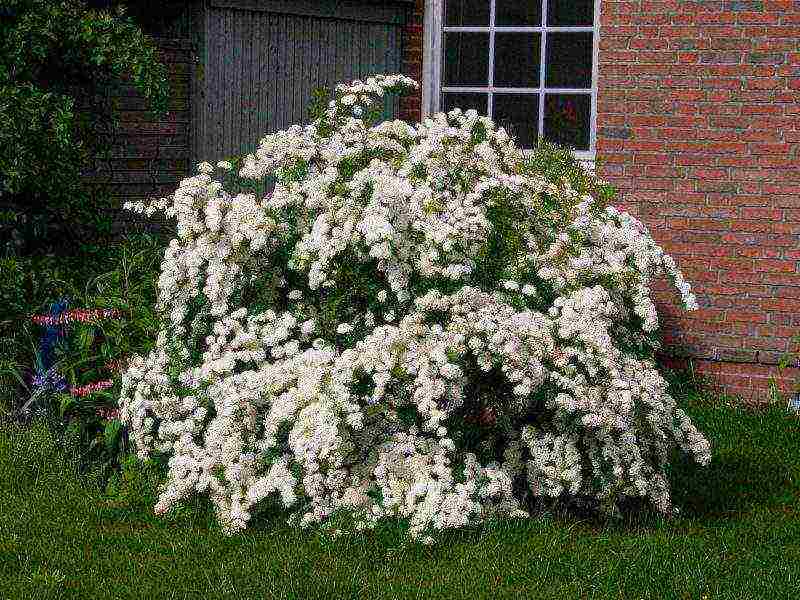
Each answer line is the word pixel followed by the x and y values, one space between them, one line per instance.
pixel 51 380
pixel 81 315
pixel 329 345
pixel 115 365
pixel 85 390
pixel 108 413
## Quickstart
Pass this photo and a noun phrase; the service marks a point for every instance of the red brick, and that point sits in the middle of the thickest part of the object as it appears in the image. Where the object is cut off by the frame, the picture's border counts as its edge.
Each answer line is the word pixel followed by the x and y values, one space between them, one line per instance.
pixel 723 148
pixel 775 266
pixel 780 304
pixel 762 109
pixel 749 317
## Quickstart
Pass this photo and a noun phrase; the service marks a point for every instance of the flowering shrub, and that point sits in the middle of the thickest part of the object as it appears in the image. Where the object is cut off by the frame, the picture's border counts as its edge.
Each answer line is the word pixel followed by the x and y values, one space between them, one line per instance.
pixel 415 323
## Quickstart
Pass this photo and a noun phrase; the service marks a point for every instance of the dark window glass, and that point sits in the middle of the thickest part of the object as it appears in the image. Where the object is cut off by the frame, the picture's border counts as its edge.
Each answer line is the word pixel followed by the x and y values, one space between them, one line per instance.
pixel 569 60
pixel 566 119
pixel 570 13
pixel 464 101
pixel 466 59
pixel 519 115
pixel 516 59
pixel 517 13
pixel 466 13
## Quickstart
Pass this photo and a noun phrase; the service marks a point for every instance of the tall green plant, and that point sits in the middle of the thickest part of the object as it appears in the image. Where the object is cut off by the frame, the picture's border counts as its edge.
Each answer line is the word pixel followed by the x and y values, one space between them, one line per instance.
pixel 58 60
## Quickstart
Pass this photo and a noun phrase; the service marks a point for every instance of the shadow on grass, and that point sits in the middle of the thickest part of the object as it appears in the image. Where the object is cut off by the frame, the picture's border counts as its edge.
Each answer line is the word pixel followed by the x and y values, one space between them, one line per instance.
pixel 737 481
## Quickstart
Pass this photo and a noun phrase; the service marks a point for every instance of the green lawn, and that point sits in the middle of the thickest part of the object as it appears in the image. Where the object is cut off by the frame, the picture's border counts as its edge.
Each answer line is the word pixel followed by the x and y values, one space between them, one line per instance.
pixel 738 537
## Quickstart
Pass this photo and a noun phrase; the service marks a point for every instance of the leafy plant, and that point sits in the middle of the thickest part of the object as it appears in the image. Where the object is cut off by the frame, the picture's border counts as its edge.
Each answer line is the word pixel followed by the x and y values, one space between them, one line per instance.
pixel 120 277
pixel 58 63
pixel 788 358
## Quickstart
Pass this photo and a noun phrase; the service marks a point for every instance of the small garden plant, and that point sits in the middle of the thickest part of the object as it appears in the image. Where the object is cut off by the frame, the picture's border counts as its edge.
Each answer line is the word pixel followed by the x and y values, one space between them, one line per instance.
pixel 415 323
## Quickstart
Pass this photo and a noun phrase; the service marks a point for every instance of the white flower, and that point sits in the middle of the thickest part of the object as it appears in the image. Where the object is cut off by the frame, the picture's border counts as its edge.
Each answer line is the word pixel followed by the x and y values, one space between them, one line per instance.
pixel 416 219
pixel 308 327
pixel 224 164
pixel 511 285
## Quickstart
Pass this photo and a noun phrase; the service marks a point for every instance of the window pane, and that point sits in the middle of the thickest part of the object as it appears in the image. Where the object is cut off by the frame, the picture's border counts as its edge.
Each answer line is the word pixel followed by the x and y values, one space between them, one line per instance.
pixel 467 13
pixel 519 115
pixel 570 13
pixel 466 59
pixel 464 101
pixel 569 60
pixel 516 59
pixel 514 13
pixel 566 119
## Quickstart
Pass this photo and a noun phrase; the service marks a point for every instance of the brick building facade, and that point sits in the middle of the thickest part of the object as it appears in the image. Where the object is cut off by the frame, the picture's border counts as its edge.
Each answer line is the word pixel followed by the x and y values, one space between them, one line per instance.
pixel 697 125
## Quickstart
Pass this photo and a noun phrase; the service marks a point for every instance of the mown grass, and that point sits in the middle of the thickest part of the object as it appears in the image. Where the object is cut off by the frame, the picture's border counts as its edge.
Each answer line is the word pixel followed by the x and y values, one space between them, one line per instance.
pixel 737 537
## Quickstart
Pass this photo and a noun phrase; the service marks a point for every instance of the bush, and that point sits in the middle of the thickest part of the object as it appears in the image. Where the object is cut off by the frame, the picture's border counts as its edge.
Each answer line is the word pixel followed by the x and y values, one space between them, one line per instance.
pixel 415 323
pixel 58 61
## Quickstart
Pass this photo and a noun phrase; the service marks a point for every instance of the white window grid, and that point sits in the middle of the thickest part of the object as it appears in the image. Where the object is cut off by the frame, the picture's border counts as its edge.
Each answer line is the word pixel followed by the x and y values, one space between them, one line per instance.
pixel 432 67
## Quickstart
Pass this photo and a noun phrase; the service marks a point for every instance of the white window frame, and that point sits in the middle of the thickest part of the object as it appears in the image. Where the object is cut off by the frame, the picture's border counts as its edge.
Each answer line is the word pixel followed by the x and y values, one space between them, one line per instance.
pixel 432 67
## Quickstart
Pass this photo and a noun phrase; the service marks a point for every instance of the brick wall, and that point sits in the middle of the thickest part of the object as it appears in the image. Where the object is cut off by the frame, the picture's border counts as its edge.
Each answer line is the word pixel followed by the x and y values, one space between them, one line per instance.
pixel 699 129
pixel 411 44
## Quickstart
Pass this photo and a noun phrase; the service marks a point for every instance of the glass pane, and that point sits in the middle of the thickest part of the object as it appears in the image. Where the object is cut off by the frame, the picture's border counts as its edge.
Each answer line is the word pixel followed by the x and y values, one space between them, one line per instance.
pixel 466 13
pixel 516 59
pixel 566 119
pixel 519 115
pixel 569 60
pixel 513 13
pixel 466 59
pixel 464 101
pixel 570 13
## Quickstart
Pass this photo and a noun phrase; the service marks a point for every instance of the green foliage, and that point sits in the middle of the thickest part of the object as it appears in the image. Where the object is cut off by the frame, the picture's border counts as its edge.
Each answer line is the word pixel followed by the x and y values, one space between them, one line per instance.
pixel 788 358
pixel 121 276
pixel 136 481
pixel 58 61
pixel 319 103
pixel 556 162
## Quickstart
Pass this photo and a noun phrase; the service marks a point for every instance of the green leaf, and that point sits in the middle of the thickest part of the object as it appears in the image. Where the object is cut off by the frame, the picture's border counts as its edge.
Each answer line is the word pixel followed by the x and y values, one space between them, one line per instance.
pixel 112 433
pixel 66 402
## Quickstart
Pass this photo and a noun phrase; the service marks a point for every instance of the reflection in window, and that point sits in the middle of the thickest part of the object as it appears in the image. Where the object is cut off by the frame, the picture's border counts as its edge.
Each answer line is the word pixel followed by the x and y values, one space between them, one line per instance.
pixel 569 60
pixel 519 115
pixel 513 13
pixel 467 13
pixel 466 59
pixel 465 102
pixel 570 13
pixel 566 119
pixel 516 59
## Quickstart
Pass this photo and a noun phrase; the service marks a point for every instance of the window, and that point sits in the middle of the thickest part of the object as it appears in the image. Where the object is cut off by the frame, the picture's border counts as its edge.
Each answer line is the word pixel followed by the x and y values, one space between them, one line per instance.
pixel 531 65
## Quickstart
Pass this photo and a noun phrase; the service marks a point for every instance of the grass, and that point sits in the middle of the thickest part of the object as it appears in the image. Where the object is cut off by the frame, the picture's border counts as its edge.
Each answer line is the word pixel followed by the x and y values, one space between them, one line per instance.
pixel 738 536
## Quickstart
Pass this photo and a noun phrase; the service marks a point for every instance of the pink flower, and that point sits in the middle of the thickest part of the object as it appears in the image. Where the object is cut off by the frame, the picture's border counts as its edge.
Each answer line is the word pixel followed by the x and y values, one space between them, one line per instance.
pixel 79 314
pixel 108 413
pixel 84 390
